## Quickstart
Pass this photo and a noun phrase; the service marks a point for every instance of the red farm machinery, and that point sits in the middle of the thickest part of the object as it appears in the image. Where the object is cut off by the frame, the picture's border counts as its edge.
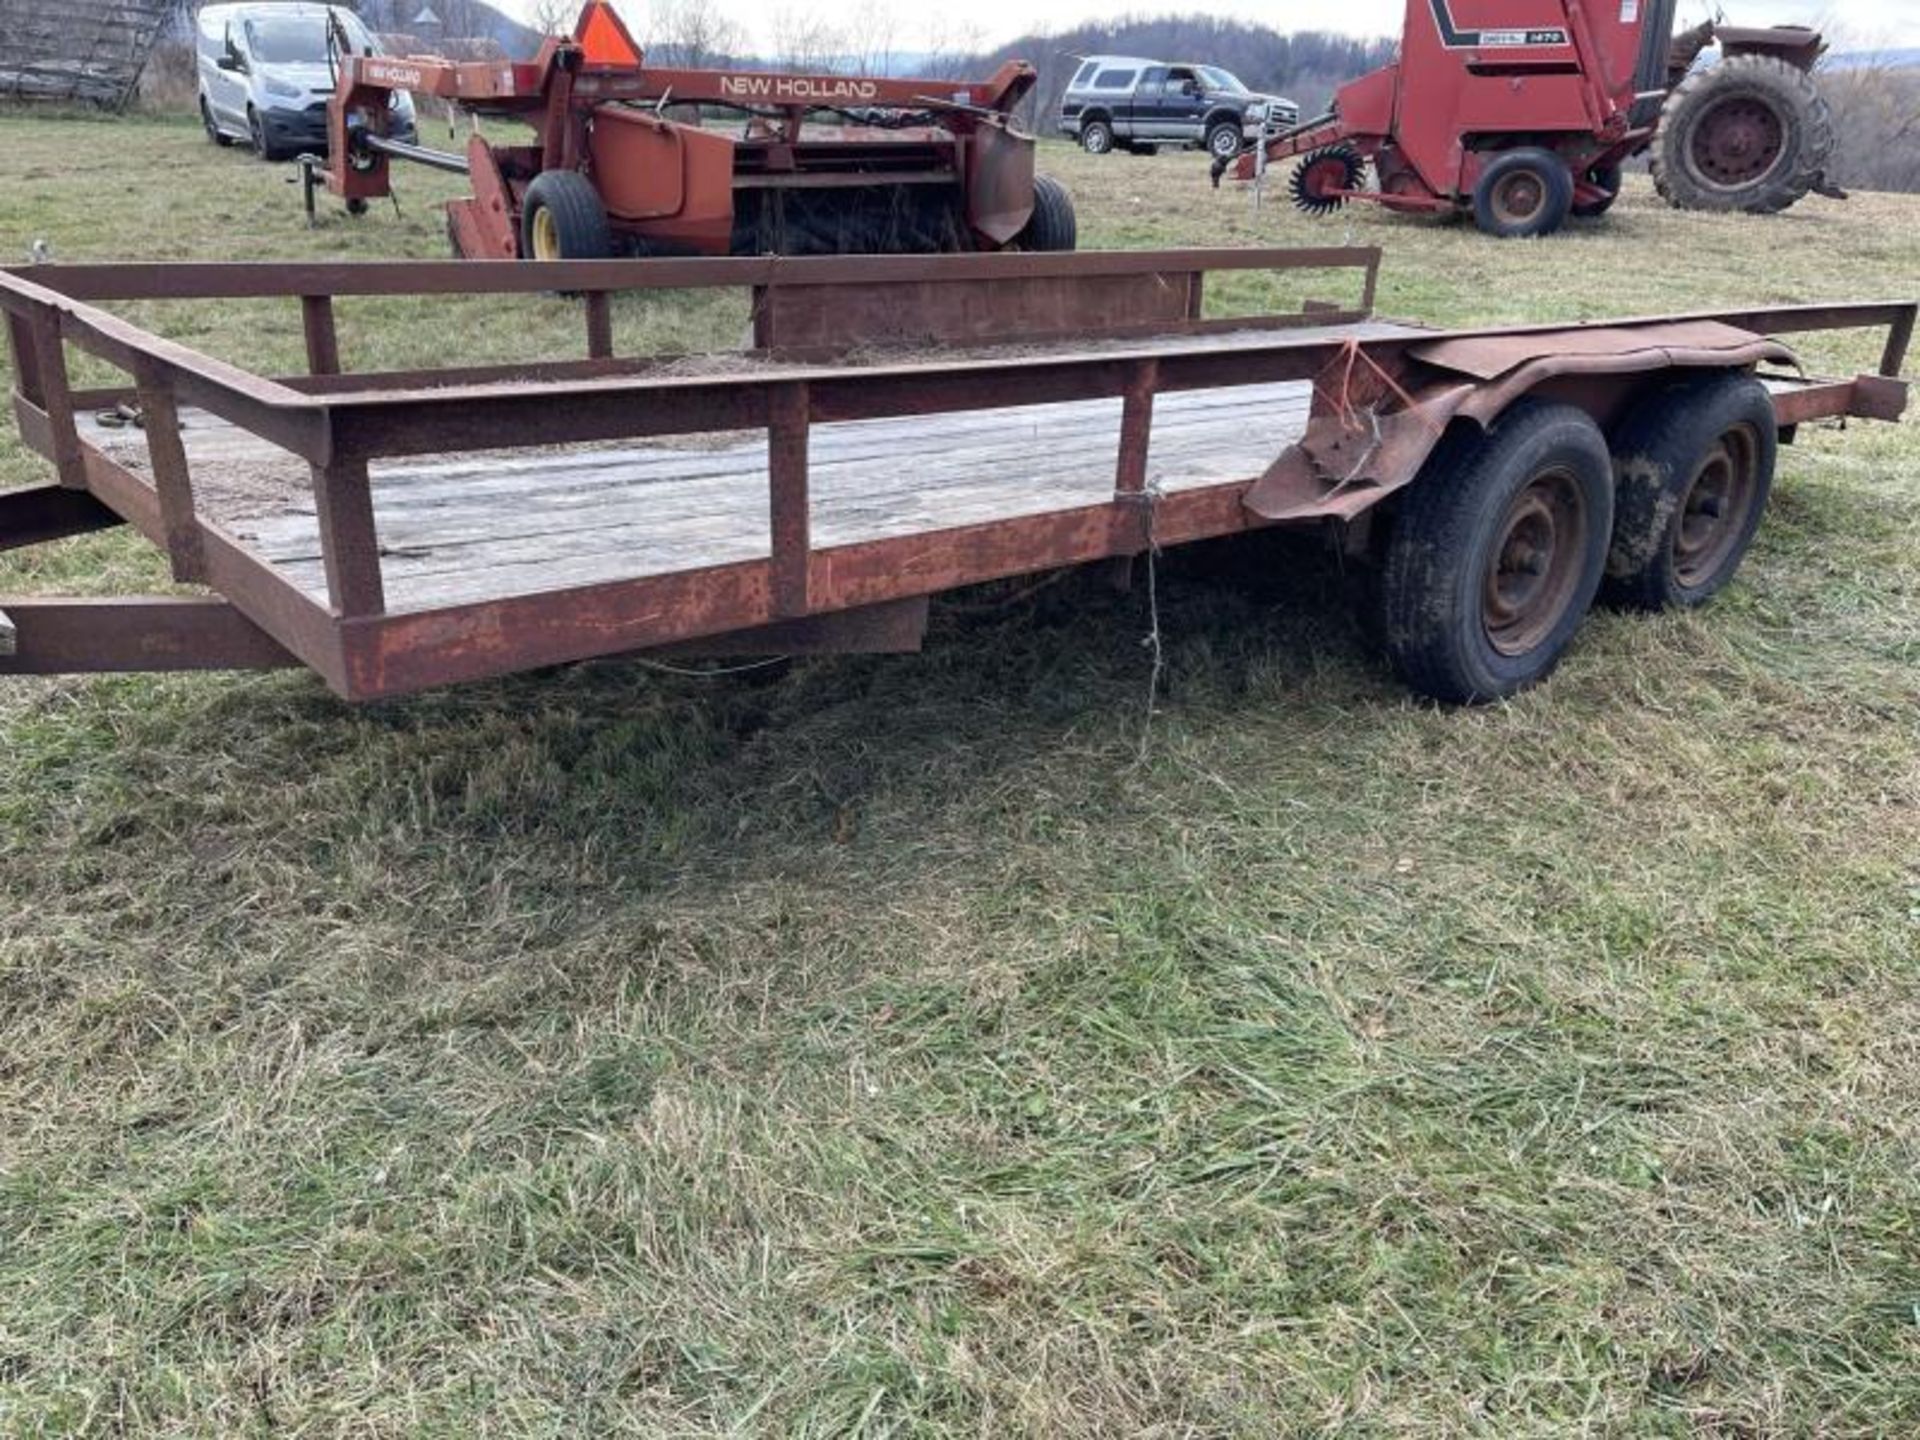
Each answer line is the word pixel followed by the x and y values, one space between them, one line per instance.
pixel 1524 112
pixel 818 164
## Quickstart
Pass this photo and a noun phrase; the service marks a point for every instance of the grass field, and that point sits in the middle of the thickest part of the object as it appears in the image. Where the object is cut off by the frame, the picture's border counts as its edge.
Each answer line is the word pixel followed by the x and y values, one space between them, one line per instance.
pixel 883 1046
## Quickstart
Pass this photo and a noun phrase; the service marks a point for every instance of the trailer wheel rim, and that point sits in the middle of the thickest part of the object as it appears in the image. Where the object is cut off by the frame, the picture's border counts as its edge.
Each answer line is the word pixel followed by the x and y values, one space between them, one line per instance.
pixel 1714 510
pixel 1737 142
pixel 1519 197
pixel 546 235
pixel 1533 570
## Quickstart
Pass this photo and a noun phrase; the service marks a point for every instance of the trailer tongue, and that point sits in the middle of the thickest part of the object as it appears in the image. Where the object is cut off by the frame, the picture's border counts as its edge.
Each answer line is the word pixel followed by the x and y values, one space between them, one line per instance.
pixel 902 426
pixel 825 164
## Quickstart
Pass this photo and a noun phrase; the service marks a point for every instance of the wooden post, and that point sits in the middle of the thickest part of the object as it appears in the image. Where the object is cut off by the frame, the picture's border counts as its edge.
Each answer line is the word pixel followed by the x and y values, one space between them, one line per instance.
pixel 788 503
pixel 56 397
pixel 26 363
pixel 323 341
pixel 1130 476
pixel 160 417
pixel 1136 427
pixel 599 326
pixel 1899 337
pixel 349 547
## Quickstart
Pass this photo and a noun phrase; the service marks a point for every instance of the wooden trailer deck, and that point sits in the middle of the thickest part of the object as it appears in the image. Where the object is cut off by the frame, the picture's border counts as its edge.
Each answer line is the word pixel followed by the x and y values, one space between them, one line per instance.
pixel 456 529
pixel 900 426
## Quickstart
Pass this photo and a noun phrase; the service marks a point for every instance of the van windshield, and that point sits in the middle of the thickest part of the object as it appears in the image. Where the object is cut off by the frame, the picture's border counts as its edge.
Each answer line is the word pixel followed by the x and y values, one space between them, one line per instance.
pixel 297 39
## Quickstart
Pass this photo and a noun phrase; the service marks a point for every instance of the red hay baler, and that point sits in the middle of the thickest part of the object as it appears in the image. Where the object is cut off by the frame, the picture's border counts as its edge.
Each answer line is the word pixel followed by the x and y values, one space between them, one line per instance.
pixel 1524 111
pixel 905 165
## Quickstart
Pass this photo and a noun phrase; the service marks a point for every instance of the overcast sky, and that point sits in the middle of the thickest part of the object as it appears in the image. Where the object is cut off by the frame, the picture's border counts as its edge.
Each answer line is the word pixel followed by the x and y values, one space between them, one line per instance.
pixel 1867 24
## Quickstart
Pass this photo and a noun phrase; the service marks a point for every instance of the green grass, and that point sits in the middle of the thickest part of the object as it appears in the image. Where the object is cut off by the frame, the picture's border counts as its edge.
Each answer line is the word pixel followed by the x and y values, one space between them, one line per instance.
pixel 878 1046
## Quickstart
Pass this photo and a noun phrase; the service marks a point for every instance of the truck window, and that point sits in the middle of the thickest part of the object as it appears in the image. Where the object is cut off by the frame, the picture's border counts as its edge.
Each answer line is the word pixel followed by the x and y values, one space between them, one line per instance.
pixel 1114 79
pixel 1154 78
pixel 1083 77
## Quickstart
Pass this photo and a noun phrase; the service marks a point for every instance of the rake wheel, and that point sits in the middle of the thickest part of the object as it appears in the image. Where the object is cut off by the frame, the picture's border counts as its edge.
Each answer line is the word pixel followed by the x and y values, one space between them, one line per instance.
pixel 1321 179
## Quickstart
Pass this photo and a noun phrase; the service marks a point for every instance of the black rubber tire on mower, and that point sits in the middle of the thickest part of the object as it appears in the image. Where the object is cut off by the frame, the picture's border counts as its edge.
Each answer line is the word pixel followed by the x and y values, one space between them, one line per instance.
pixel 1556 202
pixel 1454 526
pixel 579 217
pixel 1607 178
pixel 1674 455
pixel 215 135
pixel 1053 225
pixel 1806 126
pixel 1096 137
pixel 1223 140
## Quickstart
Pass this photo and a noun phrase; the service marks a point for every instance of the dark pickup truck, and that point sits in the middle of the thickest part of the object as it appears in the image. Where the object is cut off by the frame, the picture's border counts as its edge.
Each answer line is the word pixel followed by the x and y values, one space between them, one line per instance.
pixel 1117 102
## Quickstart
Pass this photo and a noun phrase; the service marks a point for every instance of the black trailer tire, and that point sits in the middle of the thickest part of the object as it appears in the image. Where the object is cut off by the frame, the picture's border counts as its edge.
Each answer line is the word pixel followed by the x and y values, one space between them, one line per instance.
pixel 1096 137
pixel 1497 550
pixel 1053 225
pixel 1693 466
pixel 1751 133
pixel 1522 193
pixel 563 219
pixel 1604 177
pixel 1223 139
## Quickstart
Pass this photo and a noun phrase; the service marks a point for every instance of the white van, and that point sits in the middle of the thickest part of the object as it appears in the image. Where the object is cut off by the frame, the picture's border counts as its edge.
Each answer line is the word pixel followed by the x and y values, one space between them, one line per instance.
pixel 265 79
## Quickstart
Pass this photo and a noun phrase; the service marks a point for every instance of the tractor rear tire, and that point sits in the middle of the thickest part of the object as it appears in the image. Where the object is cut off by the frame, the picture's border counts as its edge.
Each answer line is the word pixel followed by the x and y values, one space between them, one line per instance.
pixel 1523 193
pixel 1693 467
pixel 1751 133
pixel 564 219
pixel 1053 225
pixel 1496 553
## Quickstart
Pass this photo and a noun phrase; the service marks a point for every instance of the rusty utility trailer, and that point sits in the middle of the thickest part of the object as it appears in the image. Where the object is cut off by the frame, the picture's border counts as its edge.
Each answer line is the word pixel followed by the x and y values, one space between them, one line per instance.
pixel 900 427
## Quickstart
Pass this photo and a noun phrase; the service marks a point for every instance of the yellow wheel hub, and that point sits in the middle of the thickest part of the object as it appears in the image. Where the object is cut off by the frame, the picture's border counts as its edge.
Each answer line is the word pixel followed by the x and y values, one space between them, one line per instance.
pixel 546 236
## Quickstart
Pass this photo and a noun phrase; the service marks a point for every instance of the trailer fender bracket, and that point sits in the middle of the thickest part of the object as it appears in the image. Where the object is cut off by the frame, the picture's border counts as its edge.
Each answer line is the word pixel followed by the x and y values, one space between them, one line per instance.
pixel 1344 466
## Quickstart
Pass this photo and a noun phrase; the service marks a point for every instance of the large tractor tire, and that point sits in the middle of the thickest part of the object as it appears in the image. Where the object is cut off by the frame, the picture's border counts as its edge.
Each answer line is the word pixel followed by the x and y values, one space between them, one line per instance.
pixel 1053 225
pixel 1750 133
pixel 564 219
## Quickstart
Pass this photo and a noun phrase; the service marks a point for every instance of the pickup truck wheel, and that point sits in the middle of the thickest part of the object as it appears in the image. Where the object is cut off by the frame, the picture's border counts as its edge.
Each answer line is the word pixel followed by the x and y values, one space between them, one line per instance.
pixel 1096 137
pixel 1693 467
pixel 1497 550
pixel 1223 141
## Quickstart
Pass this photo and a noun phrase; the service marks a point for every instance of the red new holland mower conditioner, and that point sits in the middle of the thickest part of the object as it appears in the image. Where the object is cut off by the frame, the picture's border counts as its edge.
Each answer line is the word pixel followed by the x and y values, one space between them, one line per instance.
pixel 899 166
pixel 1524 111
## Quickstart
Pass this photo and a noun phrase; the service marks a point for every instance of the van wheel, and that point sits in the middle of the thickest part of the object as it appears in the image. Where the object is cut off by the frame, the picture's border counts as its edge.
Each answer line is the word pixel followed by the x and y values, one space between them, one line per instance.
pixel 1693 467
pixel 1497 550
pixel 213 131
pixel 564 219
pixel 262 147
pixel 1096 137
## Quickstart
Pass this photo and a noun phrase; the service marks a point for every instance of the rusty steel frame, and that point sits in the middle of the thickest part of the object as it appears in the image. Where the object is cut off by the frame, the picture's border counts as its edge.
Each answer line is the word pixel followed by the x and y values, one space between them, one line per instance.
pixel 339 421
